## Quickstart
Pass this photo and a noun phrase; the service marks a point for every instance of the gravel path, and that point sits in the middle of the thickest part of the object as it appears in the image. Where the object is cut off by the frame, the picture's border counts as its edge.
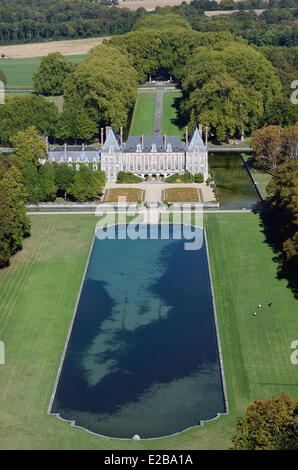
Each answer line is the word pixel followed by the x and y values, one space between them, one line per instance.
pixel 158 110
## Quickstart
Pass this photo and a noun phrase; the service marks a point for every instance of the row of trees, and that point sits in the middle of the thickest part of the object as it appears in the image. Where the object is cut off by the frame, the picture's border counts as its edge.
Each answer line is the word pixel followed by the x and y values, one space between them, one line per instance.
pixel 227 85
pixel 23 180
pixel 61 19
pixel 277 27
pixel 276 151
pixel 50 181
pixel 14 224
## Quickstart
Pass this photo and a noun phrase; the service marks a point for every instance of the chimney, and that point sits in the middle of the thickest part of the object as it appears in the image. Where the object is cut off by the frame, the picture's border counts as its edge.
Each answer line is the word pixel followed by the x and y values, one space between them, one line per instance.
pixel 206 136
pixel 186 137
pixel 47 144
pixel 142 142
pixel 201 129
pixel 83 147
pixel 101 137
pixel 107 131
pixel 121 137
pixel 165 140
pixel 65 147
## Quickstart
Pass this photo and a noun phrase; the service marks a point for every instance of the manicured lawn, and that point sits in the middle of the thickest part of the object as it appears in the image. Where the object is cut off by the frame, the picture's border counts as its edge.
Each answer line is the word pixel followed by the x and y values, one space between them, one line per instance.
pixel 262 178
pixel 37 297
pixel 182 195
pixel 143 116
pixel 170 124
pixel 131 194
pixel 19 72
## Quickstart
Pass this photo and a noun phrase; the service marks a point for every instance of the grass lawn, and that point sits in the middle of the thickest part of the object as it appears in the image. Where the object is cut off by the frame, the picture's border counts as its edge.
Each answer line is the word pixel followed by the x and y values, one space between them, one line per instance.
pixel 181 195
pixel 170 114
pixel 19 72
pixel 143 116
pixel 37 297
pixel 131 194
pixel 262 178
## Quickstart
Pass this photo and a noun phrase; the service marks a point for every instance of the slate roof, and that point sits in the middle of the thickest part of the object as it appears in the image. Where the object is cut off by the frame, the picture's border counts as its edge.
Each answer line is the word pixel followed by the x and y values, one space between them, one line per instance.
pixel 175 142
pixel 196 140
pixel 75 152
pixel 112 140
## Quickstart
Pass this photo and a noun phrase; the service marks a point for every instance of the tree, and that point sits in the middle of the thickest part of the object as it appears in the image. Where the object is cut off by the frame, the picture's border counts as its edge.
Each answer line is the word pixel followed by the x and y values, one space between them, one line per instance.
pixel 48 188
pixel 103 88
pixel 32 182
pixel 22 111
pixel 270 424
pixel 12 188
pixel 87 184
pixel 6 232
pixel 267 145
pixel 29 146
pixel 283 200
pixel 64 177
pixel 51 73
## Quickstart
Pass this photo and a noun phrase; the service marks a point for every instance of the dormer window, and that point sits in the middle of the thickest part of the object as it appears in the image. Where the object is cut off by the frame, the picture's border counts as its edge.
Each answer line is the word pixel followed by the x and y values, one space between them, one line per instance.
pixel 153 148
pixel 196 148
pixel 139 148
pixel 169 148
pixel 111 149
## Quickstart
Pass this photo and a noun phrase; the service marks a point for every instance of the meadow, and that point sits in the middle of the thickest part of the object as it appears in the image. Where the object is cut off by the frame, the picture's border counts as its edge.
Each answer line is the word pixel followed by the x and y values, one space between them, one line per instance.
pixel 37 297
pixel 19 72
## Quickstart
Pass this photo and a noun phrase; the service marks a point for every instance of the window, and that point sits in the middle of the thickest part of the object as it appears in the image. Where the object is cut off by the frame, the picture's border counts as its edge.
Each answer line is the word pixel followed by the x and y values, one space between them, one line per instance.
pixel 111 149
pixel 139 148
pixel 169 148
pixel 153 148
pixel 95 167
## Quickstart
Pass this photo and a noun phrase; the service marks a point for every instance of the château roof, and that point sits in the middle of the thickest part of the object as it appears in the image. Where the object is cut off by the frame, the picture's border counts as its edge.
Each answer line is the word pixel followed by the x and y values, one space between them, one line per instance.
pixel 74 153
pixel 196 141
pixel 161 144
pixel 112 140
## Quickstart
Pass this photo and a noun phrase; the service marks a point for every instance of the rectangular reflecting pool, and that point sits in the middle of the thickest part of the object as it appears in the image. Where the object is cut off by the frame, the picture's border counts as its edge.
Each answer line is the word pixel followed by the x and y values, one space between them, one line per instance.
pixel 143 353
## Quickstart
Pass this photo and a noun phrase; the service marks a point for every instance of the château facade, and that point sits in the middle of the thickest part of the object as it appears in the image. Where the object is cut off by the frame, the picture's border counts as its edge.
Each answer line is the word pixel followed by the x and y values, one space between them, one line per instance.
pixel 141 155
pixel 153 155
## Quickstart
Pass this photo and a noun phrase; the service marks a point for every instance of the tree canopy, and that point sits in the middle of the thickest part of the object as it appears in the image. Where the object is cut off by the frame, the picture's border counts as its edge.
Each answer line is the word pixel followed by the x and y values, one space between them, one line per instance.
pixel 52 71
pixel 270 424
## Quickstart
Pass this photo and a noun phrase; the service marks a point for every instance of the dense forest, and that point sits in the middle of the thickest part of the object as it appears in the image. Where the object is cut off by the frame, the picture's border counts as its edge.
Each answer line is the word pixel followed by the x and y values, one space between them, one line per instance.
pixel 40 20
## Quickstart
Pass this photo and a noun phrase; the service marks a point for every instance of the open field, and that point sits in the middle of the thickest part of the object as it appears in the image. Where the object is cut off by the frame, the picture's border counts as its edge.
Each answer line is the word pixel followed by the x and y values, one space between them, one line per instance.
pixel 143 116
pixel 19 72
pixel 150 5
pixel 170 114
pixel 182 195
pixel 37 297
pixel 40 49
pixel 131 194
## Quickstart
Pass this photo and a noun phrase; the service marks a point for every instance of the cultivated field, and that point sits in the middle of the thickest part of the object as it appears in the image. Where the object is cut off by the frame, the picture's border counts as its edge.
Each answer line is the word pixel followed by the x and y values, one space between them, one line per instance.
pixel 37 297
pixel 150 5
pixel 40 49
